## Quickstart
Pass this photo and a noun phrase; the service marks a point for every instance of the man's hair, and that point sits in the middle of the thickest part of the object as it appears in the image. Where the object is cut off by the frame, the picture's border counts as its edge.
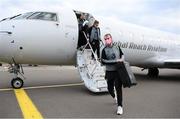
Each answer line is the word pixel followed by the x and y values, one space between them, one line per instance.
pixel 96 22
pixel 108 34
pixel 82 15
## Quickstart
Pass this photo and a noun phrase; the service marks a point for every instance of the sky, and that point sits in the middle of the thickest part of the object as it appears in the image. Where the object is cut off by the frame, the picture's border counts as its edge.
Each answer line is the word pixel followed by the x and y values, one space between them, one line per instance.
pixel 158 14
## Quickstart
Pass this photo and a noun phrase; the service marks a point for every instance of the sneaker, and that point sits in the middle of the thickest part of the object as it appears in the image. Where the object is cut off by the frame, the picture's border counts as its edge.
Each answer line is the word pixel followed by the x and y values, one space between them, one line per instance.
pixel 119 110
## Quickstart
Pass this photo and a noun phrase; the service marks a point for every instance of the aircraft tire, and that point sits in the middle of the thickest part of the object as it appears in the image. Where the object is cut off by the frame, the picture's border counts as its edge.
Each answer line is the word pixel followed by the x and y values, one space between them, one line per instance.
pixel 17 83
pixel 153 72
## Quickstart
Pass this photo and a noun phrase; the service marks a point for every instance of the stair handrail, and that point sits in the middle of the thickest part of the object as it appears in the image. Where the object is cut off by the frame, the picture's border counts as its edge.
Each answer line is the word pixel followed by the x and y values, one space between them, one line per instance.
pixel 88 43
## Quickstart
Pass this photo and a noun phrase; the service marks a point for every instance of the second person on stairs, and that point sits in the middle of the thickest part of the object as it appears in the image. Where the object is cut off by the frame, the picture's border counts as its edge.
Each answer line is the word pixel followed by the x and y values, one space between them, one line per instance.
pixel 94 34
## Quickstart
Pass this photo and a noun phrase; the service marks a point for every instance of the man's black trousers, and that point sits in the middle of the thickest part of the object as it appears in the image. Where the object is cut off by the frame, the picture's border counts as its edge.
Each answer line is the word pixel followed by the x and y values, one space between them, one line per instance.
pixel 95 46
pixel 113 79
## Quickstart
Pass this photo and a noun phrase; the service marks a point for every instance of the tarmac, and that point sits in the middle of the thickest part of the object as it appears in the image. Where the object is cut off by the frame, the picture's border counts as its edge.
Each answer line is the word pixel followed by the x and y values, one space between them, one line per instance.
pixel 58 92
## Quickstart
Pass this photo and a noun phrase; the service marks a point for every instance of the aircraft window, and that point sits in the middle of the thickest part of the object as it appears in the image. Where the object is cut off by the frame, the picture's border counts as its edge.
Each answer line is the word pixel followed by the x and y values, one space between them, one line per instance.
pixel 33 15
pixel 22 16
pixel 9 18
pixel 44 16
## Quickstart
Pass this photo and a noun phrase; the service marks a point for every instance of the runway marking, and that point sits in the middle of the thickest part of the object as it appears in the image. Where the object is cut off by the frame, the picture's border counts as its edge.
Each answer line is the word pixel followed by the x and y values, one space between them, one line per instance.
pixel 41 87
pixel 28 109
pixel 6 89
pixel 54 86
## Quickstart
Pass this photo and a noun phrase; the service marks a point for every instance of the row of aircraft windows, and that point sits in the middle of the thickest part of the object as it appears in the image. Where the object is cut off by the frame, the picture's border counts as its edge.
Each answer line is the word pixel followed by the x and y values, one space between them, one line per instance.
pixel 37 15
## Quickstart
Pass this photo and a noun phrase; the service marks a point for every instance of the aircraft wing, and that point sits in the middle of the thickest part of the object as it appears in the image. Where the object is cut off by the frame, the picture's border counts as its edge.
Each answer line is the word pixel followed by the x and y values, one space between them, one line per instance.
pixel 174 63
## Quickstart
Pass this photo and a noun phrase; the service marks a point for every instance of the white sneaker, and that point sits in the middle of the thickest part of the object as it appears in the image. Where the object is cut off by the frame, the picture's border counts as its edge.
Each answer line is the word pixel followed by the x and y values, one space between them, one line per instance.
pixel 119 110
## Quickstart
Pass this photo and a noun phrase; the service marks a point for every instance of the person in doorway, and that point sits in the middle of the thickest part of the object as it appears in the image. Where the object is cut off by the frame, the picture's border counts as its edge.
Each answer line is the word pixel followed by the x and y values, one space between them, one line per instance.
pixel 95 38
pixel 82 23
pixel 111 55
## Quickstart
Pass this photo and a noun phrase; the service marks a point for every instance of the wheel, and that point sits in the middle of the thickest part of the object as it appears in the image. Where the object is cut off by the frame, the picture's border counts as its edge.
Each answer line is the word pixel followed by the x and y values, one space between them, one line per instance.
pixel 0 64
pixel 17 83
pixel 153 72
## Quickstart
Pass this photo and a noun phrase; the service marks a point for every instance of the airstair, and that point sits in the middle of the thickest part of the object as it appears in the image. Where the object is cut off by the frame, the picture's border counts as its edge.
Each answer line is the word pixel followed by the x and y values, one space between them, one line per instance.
pixel 91 71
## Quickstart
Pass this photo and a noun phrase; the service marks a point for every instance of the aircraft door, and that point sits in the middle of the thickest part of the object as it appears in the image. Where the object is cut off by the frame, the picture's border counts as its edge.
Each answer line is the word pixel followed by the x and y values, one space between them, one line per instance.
pixel 70 33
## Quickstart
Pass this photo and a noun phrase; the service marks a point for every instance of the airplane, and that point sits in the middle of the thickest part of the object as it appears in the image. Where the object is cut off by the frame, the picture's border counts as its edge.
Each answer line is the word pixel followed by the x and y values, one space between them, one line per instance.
pixel 51 38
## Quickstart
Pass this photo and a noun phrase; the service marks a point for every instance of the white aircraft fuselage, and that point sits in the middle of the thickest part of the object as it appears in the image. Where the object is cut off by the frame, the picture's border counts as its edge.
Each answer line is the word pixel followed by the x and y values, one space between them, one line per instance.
pixel 54 42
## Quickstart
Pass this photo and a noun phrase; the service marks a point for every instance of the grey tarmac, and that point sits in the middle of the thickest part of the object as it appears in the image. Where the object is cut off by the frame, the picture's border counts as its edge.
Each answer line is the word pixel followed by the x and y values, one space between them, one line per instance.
pixel 58 92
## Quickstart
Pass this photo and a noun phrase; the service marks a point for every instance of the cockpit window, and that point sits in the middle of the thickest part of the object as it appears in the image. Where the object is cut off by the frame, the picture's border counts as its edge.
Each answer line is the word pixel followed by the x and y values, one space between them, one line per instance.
pixel 22 16
pixel 34 15
pixel 44 16
pixel 9 18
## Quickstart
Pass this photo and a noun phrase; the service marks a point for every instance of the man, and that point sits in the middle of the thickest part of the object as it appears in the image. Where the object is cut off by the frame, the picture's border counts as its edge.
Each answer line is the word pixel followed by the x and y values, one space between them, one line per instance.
pixel 95 37
pixel 111 55
pixel 82 23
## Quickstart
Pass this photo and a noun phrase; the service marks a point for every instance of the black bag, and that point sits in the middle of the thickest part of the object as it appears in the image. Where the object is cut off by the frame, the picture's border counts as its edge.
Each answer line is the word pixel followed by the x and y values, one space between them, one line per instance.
pixel 126 75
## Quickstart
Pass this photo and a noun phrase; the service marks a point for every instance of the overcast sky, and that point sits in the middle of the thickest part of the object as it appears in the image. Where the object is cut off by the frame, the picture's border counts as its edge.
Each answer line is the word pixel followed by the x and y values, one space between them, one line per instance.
pixel 159 14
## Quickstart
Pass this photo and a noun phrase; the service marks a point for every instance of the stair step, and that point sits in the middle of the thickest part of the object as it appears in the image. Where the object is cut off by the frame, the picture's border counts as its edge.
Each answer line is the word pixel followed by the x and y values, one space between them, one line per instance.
pixel 91 72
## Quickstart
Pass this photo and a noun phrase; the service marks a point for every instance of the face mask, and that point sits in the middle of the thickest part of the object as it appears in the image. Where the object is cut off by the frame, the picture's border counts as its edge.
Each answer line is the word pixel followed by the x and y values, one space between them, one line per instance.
pixel 108 41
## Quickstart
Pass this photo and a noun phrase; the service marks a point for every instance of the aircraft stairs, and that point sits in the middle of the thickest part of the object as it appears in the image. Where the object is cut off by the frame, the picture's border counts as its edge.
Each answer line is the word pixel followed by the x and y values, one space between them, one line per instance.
pixel 91 71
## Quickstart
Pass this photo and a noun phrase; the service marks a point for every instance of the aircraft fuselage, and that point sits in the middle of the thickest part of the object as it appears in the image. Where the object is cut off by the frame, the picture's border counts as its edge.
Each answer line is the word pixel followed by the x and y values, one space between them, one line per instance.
pixel 54 42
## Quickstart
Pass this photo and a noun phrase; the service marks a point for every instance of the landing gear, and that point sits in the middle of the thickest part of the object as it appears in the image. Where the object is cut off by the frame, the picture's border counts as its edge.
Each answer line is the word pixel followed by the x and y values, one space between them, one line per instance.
pixel 153 72
pixel 16 82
